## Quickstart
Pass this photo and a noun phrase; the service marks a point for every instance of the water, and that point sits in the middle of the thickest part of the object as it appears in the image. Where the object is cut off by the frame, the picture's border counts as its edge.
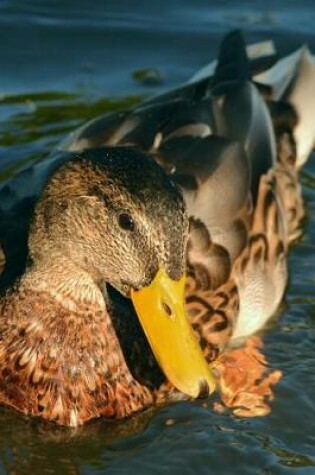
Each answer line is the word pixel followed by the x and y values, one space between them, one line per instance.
pixel 64 62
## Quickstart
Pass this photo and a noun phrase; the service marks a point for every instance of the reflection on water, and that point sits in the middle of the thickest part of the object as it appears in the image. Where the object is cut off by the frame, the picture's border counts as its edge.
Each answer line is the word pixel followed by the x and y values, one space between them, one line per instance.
pixel 62 66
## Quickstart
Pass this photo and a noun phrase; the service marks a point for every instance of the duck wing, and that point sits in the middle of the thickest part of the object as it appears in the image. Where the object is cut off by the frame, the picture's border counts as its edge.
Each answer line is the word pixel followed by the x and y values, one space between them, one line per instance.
pixel 214 175
pixel 240 113
pixel 141 126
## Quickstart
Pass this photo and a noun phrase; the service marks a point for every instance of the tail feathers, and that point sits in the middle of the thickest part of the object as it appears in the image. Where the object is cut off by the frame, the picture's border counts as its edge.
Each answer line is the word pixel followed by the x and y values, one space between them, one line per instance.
pixel 233 64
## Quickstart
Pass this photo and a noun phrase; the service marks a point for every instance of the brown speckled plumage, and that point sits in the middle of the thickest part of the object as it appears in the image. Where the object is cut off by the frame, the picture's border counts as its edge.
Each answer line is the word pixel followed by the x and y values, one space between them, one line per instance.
pixel 61 364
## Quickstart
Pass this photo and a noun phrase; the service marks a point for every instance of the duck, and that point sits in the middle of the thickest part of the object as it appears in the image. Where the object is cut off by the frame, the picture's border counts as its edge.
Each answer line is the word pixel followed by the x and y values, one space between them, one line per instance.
pixel 232 145
pixel 103 216
pixel 156 253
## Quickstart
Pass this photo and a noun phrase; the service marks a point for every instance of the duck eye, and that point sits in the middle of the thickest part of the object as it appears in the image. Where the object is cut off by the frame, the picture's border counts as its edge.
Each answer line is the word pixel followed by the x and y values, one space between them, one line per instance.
pixel 126 222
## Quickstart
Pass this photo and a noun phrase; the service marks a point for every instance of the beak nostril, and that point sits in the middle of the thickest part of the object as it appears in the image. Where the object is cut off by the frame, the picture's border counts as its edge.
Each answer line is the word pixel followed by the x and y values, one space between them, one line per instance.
pixel 167 309
pixel 203 389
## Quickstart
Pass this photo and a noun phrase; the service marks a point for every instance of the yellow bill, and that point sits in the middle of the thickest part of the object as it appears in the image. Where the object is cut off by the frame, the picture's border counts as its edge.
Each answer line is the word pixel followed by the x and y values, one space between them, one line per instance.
pixel 161 311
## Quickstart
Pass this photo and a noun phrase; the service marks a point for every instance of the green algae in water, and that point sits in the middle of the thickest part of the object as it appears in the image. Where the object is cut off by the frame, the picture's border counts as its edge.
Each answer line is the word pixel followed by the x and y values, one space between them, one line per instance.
pixel 46 118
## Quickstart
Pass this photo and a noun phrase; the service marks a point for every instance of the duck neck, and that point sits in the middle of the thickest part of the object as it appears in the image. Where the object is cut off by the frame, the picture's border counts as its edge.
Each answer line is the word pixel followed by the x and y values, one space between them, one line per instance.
pixel 65 282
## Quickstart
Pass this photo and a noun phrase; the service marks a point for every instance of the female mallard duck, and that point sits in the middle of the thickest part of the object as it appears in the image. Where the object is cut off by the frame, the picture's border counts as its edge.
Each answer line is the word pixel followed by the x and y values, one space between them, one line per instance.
pixel 216 138
pixel 71 347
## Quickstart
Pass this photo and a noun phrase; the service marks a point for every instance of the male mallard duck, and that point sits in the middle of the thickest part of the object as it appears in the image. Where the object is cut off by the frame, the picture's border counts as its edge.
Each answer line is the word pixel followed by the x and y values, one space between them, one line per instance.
pixel 110 215
pixel 214 137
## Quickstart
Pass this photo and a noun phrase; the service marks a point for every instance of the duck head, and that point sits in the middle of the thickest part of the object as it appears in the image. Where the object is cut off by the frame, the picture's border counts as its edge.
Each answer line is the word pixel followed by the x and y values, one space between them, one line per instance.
pixel 115 215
